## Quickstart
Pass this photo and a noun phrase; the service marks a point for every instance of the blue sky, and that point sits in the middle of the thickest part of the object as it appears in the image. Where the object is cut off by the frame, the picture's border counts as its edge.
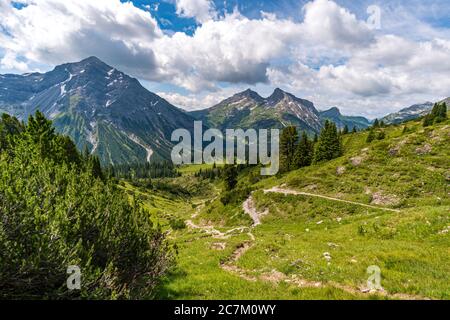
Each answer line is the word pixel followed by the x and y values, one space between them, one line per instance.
pixel 197 52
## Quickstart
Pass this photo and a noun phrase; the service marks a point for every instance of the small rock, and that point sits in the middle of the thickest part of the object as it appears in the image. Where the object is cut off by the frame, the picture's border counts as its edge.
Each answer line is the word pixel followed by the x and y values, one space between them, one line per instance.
pixel 356 161
pixel 320 222
pixel 333 245
pixel 394 151
pixel 354 261
pixel 425 149
pixel 327 256
pixel 378 198
pixel 340 171
pixel 218 246
pixel 338 219
pixel 307 230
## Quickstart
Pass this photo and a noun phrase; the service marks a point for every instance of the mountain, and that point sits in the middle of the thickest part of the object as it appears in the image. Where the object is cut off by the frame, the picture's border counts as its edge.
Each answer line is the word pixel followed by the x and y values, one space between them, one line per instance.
pixel 341 121
pixel 412 112
pixel 249 110
pixel 98 107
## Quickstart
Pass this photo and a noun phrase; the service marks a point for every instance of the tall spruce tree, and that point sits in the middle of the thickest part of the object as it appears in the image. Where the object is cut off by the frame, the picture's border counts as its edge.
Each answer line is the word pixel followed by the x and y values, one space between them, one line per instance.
pixel 304 152
pixel 288 144
pixel 376 123
pixel 329 145
pixel 345 130
pixel 230 177
pixel 371 136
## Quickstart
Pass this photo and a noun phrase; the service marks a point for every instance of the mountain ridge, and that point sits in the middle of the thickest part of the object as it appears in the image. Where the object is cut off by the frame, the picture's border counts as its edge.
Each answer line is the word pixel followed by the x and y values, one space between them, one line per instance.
pixel 247 109
pixel 99 107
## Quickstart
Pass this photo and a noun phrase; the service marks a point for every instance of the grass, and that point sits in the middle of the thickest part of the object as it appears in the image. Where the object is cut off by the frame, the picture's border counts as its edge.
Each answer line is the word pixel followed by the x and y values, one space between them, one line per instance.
pixel 411 247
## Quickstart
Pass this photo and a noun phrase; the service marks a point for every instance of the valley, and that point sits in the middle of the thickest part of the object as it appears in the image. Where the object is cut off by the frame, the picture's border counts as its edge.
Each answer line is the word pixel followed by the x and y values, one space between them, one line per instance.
pixel 312 233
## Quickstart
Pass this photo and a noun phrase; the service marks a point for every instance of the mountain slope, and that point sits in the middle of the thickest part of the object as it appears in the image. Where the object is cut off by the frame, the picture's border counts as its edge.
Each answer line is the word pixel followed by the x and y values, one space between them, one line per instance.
pixel 99 107
pixel 249 110
pixel 341 121
pixel 412 112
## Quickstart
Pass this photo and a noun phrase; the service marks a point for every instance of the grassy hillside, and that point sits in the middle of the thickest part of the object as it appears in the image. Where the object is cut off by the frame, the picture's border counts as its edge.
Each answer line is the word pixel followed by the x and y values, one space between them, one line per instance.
pixel 384 203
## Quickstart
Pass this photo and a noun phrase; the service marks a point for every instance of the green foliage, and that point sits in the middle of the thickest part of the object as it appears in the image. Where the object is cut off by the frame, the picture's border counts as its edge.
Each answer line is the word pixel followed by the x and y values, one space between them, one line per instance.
pixel 288 146
pixel 345 130
pixel 371 136
pixel 438 114
pixel 55 211
pixel 376 124
pixel 381 135
pixel 236 196
pixel 144 170
pixel 329 145
pixel 304 152
pixel 177 224
pixel 230 177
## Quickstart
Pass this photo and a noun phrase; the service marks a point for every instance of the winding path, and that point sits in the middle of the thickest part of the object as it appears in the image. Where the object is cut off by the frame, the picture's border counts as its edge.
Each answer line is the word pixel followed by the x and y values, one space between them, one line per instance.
pixel 274 276
pixel 299 193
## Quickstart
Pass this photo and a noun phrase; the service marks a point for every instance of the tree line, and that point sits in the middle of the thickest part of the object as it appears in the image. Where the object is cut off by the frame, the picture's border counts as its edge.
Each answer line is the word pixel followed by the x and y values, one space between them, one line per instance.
pixel 146 170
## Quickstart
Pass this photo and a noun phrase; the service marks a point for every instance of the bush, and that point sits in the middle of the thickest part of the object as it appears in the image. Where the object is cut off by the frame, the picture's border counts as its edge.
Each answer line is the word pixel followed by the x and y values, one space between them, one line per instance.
pixel 55 213
pixel 177 224
pixel 235 196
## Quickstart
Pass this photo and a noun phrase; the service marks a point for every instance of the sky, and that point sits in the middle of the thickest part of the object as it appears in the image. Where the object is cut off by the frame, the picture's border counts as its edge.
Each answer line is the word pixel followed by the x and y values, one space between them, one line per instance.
pixel 368 57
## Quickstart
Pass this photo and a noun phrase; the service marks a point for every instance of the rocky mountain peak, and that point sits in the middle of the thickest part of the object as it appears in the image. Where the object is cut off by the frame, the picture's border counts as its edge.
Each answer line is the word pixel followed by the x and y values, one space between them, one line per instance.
pixel 277 96
pixel 249 94
pixel 332 112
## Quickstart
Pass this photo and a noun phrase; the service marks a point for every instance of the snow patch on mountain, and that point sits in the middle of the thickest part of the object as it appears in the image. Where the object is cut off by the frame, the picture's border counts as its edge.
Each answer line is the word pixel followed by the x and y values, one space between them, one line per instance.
pixel 136 140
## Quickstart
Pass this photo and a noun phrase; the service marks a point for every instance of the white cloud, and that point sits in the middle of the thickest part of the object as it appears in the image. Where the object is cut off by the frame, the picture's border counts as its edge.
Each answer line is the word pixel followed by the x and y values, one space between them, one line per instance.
pixel 200 10
pixel 234 49
pixel 330 57
pixel 328 24
pixel 53 32
pixel 197 101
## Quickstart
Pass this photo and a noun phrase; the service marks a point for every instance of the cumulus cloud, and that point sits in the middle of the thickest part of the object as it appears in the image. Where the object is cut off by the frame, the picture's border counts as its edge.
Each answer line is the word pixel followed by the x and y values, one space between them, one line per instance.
pixel 235 49
pixel 331 25
pixel 53 32
pixel 200 10
pixel 330 56
pixel 193 102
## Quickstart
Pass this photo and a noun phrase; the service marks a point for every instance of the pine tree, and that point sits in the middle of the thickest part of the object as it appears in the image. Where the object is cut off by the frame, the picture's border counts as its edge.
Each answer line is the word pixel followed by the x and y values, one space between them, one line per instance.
pixel 304 152
pixel 345 130
pixel 230 177
pixel 428 120
pixel 371 136
pixel 441 113
pixel 288 144
pixel 355 130
pixel 329 145
pixel 376 124
pixel 316 138
pixel 41 132
pixel 438 114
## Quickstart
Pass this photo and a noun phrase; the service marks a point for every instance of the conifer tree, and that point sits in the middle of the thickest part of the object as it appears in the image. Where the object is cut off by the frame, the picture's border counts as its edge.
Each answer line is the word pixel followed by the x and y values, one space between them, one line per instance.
pixel 376 124
pixel 303 152
pixel 329 145
pixel 288 144
pixel 316 138
pixel 355 130
pixel 345 130
pixel 230 177
pixel 371 136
